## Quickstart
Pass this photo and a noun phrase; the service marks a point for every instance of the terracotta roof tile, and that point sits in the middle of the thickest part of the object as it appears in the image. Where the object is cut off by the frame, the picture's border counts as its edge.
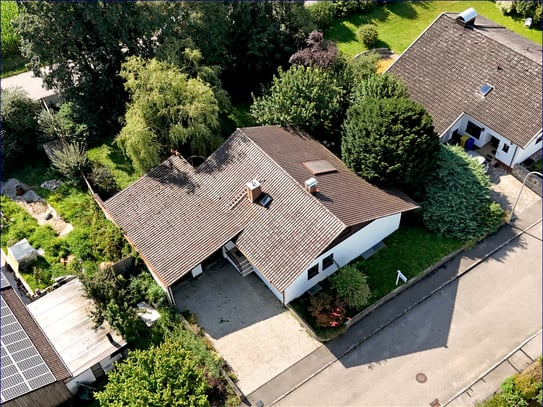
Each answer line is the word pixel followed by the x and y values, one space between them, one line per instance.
pixel 177 216
pixel 447 65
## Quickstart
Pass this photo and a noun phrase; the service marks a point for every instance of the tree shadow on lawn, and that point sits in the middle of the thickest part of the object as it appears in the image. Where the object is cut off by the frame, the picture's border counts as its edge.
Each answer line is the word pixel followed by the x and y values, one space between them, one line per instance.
pixel 404 9
pixel 119 159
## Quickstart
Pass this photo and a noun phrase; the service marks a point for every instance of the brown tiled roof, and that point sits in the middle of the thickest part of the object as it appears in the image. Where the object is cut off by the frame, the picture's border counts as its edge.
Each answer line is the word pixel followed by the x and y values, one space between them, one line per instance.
pixel 447 65
pixel 177 216
pixel 35 334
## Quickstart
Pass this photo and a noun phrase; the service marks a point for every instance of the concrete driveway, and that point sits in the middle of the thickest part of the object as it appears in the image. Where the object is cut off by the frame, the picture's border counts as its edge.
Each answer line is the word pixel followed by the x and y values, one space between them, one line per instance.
pixel 247 325
pixel 506 188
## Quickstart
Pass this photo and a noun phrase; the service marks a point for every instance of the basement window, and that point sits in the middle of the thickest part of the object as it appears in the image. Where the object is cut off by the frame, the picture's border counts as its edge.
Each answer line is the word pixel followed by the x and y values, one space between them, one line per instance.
pixel 312 272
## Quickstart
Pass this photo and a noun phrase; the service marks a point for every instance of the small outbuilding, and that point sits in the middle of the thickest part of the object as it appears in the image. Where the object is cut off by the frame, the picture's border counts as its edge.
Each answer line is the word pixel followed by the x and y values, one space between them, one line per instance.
pixel 64 317
pixel 21 255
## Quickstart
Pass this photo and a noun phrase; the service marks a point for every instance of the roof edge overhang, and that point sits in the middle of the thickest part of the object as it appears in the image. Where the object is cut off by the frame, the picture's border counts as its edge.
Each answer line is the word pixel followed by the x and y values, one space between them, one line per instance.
pixel 170 283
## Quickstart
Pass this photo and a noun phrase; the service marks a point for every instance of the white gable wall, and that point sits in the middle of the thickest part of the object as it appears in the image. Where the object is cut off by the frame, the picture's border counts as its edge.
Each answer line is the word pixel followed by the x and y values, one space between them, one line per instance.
pixel 344 252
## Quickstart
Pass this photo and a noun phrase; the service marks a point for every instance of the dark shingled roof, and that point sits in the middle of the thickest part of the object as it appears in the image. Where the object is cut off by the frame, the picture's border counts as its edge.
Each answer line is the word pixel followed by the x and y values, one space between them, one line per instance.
pixel 447 65
pixel 177 216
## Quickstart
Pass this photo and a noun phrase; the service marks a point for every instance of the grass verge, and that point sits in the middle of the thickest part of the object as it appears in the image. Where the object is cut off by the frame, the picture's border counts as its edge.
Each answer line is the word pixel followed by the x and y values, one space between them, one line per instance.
pixel 13 65
pixel 400 23
pixel 411 249
pixel 110 155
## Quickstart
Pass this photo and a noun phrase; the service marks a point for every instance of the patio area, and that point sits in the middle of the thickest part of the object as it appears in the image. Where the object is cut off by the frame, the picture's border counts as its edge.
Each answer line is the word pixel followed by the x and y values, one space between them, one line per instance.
pixel 246 324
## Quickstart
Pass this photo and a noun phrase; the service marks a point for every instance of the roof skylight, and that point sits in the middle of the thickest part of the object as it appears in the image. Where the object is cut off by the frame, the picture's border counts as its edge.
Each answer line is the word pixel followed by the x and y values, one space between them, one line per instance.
pixel 485 89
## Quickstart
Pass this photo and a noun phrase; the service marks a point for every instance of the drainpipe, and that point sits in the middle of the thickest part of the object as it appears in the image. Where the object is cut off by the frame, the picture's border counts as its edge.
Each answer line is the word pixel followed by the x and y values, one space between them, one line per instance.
pixel 513 158
pixel 170 297
pixel 284 304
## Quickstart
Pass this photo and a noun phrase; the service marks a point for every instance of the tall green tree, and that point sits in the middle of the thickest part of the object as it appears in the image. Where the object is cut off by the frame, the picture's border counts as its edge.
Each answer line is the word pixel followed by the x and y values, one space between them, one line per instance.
pixel 458 202
pixel 20 128
pixel 307 97
pixel 379 86
pixel 165 375
pixel 83 44
pixel 168 110
pixel 262 35
pixel 390 141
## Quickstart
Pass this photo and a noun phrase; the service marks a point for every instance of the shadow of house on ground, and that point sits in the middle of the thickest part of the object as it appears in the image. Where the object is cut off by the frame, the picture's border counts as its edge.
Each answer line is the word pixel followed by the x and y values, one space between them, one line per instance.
pixel 225 302
pixel 429 327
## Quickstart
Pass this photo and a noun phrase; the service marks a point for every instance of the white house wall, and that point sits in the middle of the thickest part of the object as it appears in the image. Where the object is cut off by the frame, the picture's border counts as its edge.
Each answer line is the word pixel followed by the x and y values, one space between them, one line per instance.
pixel 86 377
pixel 531 148
pixel 344 252
pixel 512 156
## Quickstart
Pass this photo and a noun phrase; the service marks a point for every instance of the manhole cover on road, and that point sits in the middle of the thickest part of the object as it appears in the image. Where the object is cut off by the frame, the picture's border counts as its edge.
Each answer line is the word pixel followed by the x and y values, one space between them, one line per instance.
pixel 421 378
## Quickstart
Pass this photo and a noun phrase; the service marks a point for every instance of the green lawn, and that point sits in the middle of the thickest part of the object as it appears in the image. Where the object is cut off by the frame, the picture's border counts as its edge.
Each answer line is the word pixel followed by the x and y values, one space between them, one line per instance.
pixel 400 23
pixel 411 249
pixel 13 65
pixel 110 155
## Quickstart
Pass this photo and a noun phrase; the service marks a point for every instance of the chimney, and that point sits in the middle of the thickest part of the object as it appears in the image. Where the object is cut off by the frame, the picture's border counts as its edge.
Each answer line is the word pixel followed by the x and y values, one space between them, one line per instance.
pixel 311 185
pixel 253 190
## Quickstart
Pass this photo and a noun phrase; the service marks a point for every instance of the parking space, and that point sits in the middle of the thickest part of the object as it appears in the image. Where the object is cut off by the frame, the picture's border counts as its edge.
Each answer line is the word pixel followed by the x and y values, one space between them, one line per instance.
pixel 506 189
pixel 247 325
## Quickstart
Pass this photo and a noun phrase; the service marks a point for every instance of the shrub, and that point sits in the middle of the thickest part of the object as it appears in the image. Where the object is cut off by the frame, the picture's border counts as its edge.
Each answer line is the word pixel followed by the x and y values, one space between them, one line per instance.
pixel 143 287
pixel 528 382
pixel 80 243
pixel 327 311
pixel 511 394
pixel 103 181
pixel 10 41
pixel 367 35
pixel 19 128
pixel 351 286
pixel 506 7
pixel 63 125
pixel 70 161
pixel 322 13
pixel 458 202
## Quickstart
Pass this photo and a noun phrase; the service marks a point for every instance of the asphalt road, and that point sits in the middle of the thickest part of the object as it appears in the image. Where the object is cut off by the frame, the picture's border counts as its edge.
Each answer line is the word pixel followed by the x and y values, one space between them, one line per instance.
pixel 447 341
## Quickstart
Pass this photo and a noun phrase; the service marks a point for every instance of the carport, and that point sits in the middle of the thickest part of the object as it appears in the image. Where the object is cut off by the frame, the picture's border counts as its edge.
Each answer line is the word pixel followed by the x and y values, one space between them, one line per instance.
pixel 247 325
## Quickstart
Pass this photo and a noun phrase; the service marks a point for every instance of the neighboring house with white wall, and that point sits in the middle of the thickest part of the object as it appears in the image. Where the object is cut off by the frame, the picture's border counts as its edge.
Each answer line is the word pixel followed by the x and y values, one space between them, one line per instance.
pixel 477 80
pixel 272 201
pixel 87 351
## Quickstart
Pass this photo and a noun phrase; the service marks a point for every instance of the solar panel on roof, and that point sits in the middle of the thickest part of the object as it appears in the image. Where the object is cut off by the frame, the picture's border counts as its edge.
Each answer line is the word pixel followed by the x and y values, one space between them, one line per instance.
pixel 4 281
pixel 319 167
pixel 23 368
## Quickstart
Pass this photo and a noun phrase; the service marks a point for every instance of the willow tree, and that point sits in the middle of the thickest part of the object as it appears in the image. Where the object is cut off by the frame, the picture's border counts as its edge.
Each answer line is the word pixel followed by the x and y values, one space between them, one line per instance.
pixel 167 110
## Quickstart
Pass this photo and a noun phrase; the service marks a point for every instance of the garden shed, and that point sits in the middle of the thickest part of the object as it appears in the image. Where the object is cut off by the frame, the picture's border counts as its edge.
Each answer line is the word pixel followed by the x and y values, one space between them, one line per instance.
pixel 21 255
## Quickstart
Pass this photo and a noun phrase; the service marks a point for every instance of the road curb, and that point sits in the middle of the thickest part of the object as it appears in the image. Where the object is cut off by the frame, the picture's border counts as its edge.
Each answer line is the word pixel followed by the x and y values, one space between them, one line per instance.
pixel 493 367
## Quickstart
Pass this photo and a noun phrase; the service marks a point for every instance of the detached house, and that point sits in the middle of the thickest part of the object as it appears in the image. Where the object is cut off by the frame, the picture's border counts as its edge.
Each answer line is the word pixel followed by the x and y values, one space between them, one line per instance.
pixel 271 201
pixel 480 82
